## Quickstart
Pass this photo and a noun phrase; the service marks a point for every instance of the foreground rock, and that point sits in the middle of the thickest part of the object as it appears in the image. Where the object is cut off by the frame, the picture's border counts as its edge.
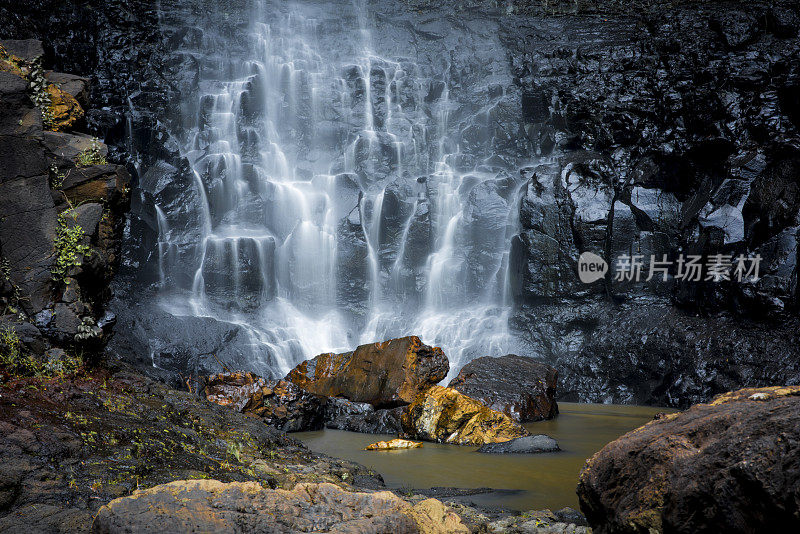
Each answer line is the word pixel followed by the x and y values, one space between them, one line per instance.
pixel 393 445
pixel 520 387
pixel 524 445
pixel 732 465
pixel 211 506
pixel 444 415
pixel 386 374
pixel 71 445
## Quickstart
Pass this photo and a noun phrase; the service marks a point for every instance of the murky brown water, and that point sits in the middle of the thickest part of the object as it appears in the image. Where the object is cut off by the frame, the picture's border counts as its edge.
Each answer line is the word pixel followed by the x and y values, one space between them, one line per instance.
pixel 542 480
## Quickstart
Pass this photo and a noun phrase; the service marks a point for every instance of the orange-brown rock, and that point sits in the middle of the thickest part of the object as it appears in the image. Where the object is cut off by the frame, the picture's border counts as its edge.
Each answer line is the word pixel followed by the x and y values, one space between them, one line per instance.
pixel 64 109
pixel 446 416
pixel 732 465
pixel 393 445
pixel 385 374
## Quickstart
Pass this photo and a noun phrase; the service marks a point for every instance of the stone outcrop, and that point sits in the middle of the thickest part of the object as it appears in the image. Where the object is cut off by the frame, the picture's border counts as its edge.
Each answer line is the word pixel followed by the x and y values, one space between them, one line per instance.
pixel 524 445
pixel 386 374
pixel 393 445
pixel 278 403
pixel 727 466
pixel 232 389
pixel 444 415
pixel 520 387
pixel 211 506
pixel 60 222
pixel 342 414
pixel 286 406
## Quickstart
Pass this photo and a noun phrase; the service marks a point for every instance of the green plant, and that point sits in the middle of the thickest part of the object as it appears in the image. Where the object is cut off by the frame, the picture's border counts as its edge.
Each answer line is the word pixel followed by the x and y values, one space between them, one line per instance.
pixel 91 155
pixel 12 358
pixel 56 177
pixel 69 250
pixel 235 450
pixel 88 330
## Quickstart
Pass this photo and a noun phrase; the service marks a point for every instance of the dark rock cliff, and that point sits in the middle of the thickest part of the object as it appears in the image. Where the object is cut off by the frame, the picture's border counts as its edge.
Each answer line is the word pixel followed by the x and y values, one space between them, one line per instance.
pixel 664 131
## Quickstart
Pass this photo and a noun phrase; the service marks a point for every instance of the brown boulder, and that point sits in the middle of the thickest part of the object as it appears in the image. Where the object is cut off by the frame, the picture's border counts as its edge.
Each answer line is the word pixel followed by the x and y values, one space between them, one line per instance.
pixel 732 465
pixel 520 387
pixel 232 389
pixel 212 506
pixel 393 445
pixel 385 374
pixel 279 403
pixel 446 416
pixel 287 407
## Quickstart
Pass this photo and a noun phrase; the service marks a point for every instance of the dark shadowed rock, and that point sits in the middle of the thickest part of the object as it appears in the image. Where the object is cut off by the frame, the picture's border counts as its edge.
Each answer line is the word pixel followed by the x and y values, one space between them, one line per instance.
pixel 212 506
pixel 384 374
pixel 343 414
pixel 524 445
pixel 520 387
pixel 732 465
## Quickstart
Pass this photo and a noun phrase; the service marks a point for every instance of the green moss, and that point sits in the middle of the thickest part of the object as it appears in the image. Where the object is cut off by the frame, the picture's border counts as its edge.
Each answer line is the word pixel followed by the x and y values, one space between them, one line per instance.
pixel 69 250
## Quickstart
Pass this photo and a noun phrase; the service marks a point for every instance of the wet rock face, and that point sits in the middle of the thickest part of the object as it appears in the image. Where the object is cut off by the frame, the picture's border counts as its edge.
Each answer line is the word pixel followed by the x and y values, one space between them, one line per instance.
pixel 342 414
pixel 444 415
pixel 386 374
pixel 520 387
pixel 730 465
pixel 209 505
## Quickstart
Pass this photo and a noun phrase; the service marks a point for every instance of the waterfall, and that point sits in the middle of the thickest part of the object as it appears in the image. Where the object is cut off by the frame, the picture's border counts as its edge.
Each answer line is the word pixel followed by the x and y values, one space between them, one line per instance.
pixel 348 188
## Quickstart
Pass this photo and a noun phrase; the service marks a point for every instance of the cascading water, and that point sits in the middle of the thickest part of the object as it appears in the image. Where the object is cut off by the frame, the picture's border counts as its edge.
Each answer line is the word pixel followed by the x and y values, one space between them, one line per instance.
pixel 352 183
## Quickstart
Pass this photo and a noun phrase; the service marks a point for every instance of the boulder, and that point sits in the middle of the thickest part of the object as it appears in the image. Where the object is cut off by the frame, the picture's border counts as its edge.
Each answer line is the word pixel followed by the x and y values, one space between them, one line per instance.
pixel 732 465
pixel 386 374
pixel 76 86
pixel 232 389
pixel 393 445
pixel 520 387
pixel 286 406
pixel 213 506
pixel 444 415
pixel 96 183
pixel 524 445
pixel 343 414
pixel 66 147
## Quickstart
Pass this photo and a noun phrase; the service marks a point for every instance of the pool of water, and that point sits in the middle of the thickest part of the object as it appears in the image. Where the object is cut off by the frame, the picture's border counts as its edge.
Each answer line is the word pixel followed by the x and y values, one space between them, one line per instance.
pixel 535 481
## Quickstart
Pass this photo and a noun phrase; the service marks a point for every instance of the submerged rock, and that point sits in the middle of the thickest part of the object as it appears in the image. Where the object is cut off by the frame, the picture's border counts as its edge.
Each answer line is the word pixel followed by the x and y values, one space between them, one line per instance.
pixel 392 445
pixel 732 465
pixel 385 374
pixel 444 415
pixel 524 445
pixel 212 506
pixel 520 387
